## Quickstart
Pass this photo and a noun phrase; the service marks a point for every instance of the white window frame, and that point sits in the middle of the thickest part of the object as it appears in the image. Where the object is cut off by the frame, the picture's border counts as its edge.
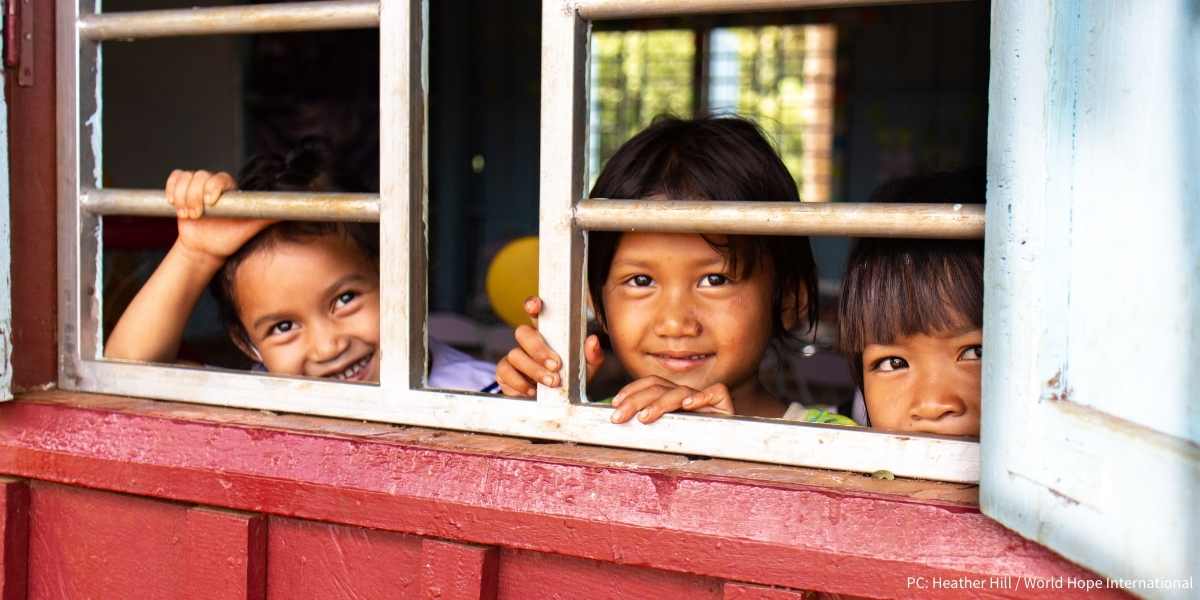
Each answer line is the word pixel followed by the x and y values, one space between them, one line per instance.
pixel 557 414
pixel 1091 444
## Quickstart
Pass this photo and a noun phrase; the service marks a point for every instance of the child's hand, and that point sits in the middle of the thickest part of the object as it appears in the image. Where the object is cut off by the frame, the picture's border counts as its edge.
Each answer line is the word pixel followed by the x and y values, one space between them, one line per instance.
pixel 651 397
pixel 533 362
pixel 190 192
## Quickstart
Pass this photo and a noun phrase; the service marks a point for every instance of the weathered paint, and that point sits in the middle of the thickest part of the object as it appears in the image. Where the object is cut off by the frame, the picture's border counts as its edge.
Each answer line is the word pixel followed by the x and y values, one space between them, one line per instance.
pixel 643 511
pixel 1092 311
pixel 745 591
pixel 5 250
pixel 32 128
pixel 323 560
pixel 92 544
pixel 295 16
pixel 225 555
pixel 14 538
pixel 454 571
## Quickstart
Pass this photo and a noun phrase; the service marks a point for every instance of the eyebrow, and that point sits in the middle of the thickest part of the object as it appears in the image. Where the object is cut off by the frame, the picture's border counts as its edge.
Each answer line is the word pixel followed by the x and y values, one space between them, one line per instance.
pixel 644 264
pixel 351 278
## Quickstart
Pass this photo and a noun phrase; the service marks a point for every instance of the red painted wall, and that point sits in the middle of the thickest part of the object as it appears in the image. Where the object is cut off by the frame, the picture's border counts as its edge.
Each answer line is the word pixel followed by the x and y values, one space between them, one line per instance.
pixel 179 501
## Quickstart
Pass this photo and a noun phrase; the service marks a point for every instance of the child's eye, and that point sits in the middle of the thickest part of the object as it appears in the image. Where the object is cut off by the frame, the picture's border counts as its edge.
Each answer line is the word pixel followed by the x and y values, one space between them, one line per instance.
pixel 281 328
pixel 713 280
pixel 346 298
pixel 890 363
pixel 640 281
pixel 972 353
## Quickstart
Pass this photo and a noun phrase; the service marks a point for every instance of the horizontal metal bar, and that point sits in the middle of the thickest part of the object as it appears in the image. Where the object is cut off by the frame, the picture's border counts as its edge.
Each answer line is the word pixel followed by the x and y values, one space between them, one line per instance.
pixel 951 221
pixel 293 206
pixel 626 9
pixel 259 18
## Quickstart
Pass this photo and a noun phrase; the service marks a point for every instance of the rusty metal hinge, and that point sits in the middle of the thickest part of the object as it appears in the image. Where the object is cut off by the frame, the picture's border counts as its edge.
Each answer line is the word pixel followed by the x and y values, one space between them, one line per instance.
pixel 18 39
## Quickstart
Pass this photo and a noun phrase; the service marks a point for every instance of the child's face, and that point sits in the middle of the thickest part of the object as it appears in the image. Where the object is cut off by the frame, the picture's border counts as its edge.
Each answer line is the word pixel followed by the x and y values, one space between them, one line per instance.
pixel 311 308
pixel 925 383
pixel 674 310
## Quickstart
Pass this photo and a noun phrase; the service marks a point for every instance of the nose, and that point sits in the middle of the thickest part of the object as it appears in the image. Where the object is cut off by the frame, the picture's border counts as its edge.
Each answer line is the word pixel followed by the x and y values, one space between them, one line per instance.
pixel 676 316
pixel 934 398
pixel 326 342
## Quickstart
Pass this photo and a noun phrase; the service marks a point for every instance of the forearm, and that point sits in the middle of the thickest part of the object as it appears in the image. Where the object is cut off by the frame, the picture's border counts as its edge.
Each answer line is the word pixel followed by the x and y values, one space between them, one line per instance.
pixel 152 326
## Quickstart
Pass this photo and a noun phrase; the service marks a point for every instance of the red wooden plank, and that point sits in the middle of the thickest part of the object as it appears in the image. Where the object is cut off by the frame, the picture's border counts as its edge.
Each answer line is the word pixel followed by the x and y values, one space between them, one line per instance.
pixel 324 562
pixel 537 575
pixel 226 555
pixel 14 538
pixel 745 591
pixel 90 544
pixel 31 170
pixel 791 536
pixel 454 571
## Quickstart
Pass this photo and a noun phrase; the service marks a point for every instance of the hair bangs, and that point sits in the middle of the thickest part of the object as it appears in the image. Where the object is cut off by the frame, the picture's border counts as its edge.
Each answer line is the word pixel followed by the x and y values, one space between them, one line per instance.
pixel 714 159
pixel 897 288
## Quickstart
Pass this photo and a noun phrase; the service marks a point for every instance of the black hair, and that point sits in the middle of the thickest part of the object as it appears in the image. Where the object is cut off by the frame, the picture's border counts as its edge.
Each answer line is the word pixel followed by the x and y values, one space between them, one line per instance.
pixel 899 287
pixel 711 158
pixel 307 168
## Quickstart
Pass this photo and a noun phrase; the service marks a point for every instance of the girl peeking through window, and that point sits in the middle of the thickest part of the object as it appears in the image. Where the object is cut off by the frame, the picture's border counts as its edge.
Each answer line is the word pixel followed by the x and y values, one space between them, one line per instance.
pixel 298 298
pixel 910 318
pixel 690 316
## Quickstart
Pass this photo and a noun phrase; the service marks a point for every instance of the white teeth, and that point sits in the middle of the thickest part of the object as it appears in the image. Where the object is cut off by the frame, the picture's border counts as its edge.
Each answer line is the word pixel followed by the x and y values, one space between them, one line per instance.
pixel 353 369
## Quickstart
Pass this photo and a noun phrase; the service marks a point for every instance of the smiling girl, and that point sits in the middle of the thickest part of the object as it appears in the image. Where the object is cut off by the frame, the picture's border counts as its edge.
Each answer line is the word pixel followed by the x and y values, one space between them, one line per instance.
pixel 297 298
pixel 689 316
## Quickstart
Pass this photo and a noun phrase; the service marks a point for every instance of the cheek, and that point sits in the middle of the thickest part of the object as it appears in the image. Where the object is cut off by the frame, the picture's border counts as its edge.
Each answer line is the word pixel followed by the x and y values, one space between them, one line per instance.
pixel 971 388
pixel 286 360
pixel 624 323
pixel 745 319
pixel 883 407
pixel 367 322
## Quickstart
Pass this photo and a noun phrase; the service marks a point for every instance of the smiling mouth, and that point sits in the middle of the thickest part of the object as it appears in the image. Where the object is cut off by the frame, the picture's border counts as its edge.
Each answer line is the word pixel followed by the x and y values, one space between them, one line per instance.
pixel 679 361
pixel 356 371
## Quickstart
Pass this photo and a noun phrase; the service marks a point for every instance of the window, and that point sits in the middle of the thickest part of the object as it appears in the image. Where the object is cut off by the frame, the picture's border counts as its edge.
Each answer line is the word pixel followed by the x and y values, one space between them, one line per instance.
pixel 400 208
pixel 1069 457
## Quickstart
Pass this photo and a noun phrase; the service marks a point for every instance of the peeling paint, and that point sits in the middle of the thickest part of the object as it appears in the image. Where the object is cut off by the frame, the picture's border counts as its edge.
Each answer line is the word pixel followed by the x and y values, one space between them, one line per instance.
pixel 5 257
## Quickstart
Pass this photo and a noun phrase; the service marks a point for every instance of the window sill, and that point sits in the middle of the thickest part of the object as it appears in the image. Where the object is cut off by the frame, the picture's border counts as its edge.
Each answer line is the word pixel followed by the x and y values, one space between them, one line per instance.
pixel 735 520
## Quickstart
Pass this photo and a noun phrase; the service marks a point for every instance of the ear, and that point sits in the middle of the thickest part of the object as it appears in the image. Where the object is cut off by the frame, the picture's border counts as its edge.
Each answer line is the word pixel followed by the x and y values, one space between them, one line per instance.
pixel 795 305
pixel 599 318
pixel 239 340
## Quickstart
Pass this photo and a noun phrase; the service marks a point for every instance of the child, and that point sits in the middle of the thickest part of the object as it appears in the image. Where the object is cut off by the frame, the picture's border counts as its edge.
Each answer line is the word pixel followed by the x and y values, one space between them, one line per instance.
pixel 299 298
pixel 910 319
pixel 690 316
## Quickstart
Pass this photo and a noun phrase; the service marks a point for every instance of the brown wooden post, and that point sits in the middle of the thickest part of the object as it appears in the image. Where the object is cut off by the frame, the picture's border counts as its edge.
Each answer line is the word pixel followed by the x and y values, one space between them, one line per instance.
pixel 14 538
pixel 32 176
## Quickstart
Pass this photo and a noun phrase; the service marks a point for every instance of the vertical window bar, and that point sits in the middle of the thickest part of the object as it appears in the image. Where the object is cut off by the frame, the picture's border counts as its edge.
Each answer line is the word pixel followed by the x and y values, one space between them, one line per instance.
pixel 402 278
pixel 561 246
pixel 79 166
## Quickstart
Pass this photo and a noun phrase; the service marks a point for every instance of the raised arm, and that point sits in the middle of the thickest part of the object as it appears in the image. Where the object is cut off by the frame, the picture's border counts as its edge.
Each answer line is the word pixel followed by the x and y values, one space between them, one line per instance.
pixel 152 326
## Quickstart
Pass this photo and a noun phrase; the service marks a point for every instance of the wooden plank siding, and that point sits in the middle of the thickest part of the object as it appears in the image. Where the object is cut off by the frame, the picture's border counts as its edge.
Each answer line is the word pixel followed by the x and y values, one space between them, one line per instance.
pixel 370 510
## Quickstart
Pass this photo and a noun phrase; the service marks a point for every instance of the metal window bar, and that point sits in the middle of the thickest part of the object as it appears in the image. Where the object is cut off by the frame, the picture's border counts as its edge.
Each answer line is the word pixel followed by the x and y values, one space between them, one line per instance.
pixel 565 215
pixel 259 18
pixel 296 206
pixel 557 414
